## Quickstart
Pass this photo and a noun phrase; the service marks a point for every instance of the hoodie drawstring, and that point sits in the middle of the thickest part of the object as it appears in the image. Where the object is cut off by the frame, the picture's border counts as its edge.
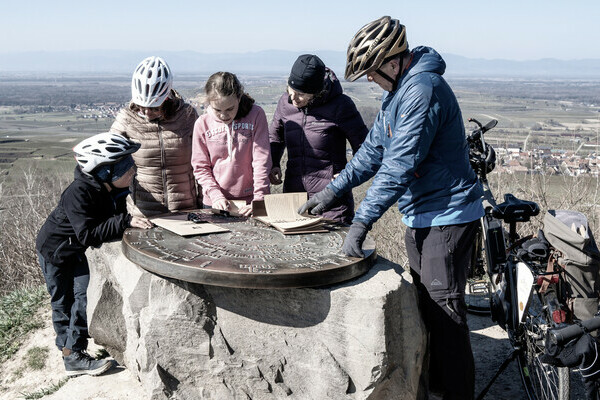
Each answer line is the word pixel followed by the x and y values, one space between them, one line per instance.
pixel 230 141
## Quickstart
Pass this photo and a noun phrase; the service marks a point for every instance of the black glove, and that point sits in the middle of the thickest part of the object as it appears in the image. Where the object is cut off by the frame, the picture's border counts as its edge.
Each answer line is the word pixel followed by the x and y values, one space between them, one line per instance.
pixel 354 239
pixel 321 201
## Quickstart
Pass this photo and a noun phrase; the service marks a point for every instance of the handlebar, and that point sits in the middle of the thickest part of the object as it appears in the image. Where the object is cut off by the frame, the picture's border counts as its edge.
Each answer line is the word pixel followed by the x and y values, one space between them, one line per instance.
pixel 481 155
pixel 560 336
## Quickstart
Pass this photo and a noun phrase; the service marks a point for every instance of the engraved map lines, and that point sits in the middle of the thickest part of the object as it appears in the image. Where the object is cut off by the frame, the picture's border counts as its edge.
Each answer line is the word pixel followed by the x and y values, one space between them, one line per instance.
pixel 248 248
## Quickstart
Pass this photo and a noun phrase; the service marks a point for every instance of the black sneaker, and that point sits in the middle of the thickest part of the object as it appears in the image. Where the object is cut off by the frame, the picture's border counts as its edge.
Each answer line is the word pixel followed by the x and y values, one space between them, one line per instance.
pixel 81 363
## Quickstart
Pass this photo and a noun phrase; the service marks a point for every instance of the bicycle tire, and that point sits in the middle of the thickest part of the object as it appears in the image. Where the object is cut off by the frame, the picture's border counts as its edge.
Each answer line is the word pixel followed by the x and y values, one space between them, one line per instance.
pixel 478 301
pixel 541 381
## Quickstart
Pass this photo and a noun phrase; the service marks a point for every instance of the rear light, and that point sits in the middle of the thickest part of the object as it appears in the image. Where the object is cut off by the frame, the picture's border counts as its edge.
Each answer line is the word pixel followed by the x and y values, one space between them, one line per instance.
pixel 550 278
pixel 559 316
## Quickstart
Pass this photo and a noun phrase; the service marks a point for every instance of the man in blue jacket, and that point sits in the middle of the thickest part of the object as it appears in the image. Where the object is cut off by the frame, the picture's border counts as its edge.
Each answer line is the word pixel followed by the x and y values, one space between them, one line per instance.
pixel 417 155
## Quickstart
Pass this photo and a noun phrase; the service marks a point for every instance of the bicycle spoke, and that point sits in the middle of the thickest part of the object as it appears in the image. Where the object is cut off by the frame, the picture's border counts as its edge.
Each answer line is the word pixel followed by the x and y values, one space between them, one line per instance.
pixel 542 381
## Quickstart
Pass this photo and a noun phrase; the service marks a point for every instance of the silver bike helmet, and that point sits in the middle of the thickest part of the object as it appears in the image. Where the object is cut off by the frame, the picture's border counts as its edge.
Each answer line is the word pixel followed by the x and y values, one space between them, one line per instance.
pixel 102 149
pixel 372 45
pixel 151 82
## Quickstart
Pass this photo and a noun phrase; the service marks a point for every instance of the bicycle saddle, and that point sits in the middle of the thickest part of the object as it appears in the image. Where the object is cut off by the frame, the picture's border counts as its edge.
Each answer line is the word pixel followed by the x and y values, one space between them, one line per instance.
pixel 515 210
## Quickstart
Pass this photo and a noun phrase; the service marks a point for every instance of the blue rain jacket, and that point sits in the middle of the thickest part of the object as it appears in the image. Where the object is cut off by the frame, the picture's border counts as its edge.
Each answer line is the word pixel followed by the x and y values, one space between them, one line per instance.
pixel 416 150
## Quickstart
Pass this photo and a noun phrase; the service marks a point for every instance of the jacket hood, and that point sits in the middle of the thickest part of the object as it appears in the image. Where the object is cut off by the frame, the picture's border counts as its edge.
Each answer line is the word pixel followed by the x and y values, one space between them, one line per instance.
pixel 332 88
pixel 425 59
pixel 80 176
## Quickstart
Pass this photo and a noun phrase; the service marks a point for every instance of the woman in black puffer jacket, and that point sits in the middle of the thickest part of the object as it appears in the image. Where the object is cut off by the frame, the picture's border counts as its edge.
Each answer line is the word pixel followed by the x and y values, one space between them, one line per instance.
pixel 312 121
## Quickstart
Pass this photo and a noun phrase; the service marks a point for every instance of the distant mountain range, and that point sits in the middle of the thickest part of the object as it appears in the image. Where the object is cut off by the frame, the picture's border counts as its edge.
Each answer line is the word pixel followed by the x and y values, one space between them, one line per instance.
pixel 276 62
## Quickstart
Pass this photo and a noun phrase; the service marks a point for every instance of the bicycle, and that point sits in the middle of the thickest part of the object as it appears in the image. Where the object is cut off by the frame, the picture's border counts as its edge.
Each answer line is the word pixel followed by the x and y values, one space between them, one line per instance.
pixel 524 298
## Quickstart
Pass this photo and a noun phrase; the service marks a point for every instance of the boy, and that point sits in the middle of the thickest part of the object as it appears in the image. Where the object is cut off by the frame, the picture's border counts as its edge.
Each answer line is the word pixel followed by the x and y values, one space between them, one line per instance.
pixel 91 211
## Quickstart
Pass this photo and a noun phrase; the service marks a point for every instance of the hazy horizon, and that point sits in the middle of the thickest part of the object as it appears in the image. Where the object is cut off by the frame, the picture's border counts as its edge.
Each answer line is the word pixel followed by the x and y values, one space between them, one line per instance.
pixel 272 63
pixel 511 30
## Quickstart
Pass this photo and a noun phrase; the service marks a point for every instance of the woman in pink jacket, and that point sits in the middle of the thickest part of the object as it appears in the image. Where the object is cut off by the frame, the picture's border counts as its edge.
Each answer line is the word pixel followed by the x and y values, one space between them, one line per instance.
pixel 230 149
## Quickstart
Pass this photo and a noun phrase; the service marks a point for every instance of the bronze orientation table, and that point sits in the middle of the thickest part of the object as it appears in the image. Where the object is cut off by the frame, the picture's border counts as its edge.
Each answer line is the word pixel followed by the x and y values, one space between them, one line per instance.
pixel 249 255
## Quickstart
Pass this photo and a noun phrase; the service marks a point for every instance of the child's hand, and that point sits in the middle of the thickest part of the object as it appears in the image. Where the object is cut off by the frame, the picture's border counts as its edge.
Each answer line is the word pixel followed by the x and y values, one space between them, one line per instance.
pixel 140 222
pixel 246 210
pixel 221 204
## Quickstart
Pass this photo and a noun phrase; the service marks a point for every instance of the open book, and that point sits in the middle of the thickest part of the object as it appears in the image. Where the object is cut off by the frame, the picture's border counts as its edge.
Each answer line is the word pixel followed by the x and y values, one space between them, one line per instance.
pixel 281 212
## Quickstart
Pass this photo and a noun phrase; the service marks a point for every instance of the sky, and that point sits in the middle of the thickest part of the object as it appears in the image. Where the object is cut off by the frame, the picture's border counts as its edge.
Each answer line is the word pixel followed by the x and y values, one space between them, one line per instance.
pixel 509 29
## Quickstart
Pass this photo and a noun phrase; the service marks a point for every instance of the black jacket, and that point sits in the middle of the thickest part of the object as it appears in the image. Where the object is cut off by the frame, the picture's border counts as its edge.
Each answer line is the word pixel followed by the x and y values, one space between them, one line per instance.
pixel 315 138
pixel 86 215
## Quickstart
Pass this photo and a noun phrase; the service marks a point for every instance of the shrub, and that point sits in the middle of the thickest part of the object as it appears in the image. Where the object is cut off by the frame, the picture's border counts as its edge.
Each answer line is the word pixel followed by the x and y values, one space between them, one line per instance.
pixel 33 195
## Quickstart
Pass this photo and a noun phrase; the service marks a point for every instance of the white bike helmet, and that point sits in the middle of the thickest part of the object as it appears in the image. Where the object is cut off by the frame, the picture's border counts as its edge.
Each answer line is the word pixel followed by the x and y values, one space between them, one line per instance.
pixel 151 82
pixel 102 149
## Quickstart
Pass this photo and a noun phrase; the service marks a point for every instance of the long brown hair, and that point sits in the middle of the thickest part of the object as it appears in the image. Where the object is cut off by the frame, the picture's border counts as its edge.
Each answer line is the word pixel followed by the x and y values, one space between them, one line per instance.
pixel 224 84
pixel 168 108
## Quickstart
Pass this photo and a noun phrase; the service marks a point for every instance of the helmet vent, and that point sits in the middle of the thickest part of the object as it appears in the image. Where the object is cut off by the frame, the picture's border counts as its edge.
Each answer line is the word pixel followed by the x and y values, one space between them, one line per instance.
pixel 102 149
pixel 151 82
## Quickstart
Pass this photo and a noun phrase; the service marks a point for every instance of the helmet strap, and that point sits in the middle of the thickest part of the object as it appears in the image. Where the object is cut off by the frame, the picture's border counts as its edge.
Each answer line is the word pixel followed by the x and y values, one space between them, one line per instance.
pixel 387 78
pixel 403 68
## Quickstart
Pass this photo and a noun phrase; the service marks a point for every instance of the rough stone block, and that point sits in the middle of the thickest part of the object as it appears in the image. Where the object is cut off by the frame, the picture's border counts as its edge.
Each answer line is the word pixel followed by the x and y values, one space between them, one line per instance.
pixel 361 339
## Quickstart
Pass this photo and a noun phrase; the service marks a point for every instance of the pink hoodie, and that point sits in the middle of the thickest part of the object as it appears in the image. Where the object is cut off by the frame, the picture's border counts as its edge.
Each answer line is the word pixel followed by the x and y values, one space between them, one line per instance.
pixel 232 161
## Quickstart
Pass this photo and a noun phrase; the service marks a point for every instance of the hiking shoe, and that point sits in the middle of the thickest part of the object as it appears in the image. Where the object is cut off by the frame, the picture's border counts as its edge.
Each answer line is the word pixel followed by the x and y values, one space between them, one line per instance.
pixel 81 363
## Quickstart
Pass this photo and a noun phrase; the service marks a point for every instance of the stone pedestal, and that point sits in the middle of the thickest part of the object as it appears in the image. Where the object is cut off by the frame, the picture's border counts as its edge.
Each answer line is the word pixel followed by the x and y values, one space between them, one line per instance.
pixel 361 339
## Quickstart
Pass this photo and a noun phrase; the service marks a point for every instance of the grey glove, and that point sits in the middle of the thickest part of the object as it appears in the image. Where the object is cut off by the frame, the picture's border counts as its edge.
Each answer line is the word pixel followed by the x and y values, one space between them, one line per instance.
pixel 321 201
pixel 355 237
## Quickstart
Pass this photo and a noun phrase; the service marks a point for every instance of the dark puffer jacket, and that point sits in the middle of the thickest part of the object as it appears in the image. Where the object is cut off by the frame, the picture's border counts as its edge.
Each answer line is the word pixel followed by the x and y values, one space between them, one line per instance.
pixel 86 215
pixel 315 139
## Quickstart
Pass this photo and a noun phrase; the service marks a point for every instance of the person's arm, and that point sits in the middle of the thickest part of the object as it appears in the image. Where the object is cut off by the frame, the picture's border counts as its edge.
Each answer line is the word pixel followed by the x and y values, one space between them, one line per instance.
pixel 351 123
pixel 360 169
pixel 277 140
pixel 365 163
pixel 415 126
pixel 202 165
pixel 81 210
pixel 261 156
pixel 276 135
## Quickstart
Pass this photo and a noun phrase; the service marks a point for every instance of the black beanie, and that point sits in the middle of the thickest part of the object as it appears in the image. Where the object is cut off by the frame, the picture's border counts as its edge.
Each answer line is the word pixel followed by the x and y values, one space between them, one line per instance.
pixel 308 73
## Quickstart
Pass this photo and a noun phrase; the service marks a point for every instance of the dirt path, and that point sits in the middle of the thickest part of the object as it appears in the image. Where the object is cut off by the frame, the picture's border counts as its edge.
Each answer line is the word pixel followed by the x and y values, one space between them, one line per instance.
pixel 490 348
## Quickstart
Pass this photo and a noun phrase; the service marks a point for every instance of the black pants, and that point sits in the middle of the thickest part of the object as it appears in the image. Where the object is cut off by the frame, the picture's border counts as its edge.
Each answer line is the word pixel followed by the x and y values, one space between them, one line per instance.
pixel 67 285
pixel 440 258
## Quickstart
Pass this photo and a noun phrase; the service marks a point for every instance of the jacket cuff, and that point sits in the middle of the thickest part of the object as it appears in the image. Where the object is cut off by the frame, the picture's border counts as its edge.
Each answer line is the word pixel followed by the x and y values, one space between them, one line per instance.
pixel 214 195
pixel 128 219
pixel 337 192
pixel 364 223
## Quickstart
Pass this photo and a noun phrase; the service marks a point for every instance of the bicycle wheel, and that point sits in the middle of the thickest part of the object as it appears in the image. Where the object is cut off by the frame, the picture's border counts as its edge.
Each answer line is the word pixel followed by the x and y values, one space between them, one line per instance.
pixel 477 290
pixel 541 381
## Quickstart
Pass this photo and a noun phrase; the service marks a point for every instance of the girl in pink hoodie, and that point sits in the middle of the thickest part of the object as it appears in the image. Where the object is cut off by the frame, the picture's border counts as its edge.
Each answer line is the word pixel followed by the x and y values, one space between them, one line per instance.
pixel 230 150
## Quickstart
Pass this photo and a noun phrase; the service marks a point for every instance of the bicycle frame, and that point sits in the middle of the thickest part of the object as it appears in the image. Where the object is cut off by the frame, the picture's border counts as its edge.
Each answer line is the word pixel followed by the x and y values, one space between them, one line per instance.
pixel 513 281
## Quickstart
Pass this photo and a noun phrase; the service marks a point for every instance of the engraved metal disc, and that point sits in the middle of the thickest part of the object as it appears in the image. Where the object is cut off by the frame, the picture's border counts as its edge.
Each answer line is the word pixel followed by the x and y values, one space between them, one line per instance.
pixel 250 255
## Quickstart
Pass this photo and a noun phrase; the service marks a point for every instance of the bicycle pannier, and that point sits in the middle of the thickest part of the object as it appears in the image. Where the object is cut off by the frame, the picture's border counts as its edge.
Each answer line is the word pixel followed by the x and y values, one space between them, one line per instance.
pixel 577 253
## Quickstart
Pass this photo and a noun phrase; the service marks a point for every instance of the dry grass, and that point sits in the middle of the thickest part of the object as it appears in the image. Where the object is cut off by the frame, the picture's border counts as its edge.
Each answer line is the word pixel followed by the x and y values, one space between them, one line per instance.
pixel 33 195
pixel 25 202
pixel 565 192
